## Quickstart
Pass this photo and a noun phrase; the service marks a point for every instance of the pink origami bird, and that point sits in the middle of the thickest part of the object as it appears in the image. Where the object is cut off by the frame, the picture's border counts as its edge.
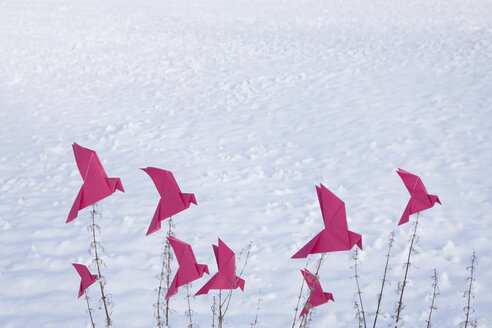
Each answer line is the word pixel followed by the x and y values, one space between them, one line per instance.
pixel 188 270
pixel 172 200
pixel 317 297
pixel 335 236
pixel 96 184
pixel 226 277
pixel 87 278
pixel 419 198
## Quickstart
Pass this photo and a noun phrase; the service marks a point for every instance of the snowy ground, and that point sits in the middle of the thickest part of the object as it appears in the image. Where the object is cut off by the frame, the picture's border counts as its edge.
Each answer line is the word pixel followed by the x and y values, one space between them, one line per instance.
pixel 250 104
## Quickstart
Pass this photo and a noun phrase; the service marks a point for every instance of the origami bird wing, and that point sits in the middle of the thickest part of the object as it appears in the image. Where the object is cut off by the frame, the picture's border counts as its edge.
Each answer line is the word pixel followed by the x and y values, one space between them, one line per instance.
pixel 184 255
pixel 333 212
pixel 163 180
pixel 87 278
pixel 86 157
pixel 411 181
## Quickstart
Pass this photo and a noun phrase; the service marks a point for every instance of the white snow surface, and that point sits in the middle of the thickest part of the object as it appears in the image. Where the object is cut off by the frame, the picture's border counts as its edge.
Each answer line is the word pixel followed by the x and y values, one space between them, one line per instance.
pixel 250 103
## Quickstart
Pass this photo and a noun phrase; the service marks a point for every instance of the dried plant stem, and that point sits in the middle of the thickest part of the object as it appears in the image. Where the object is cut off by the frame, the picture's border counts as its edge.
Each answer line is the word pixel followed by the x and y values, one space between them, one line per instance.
pixel 97 260
pixel 189 305
pixel 220 317
pixel 213 312
pixel 435 292
pixel 89 310
pixel 165 273
pixel 359 293
pixel 380 296
pixel 257 309
pixel 299 299
pixel 468 293
pixel 407 265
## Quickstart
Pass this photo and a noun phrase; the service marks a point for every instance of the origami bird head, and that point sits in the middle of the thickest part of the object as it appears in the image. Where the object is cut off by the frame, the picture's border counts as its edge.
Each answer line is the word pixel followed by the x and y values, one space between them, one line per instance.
pixel 419 198
pixel 96 185
pixel 226 277
pixel 335 236
pixel 317 295
pixel 172 199
pixel 87 278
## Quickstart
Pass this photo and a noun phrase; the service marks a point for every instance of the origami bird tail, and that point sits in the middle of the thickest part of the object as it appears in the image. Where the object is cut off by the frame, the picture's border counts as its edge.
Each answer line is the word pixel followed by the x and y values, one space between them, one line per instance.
pixel 75 207
pixel 155 224
pixel 205 288
pixel 406 214
pixel 307 249
pixel 305 309
pixel 173 288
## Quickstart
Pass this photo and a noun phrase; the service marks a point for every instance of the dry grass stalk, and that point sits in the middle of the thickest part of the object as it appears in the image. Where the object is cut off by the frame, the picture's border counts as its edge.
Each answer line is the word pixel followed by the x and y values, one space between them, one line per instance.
pixel 435 292
pixel 380 296
pixel 407 265
pixel 362 315
pixel 469 294
pixel 166 272
pixel 98 263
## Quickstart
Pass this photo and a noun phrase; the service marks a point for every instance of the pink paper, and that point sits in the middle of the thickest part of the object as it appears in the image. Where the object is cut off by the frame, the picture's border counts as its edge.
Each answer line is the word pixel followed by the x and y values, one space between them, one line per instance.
pixel 419 198
pixel 188 270
pixel 226 277
pixel 317 297
pixel 87 278
pixel 96 184
pixel 335 236
pixel 172 200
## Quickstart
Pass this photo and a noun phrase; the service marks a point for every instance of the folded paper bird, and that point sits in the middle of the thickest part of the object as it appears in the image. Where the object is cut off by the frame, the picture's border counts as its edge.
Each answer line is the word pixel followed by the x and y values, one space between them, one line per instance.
pixel 96 184
pixel 87 278
pixel 419 198
pixel 226 277
pixel 335 236
pixel 172 200
pixel 188 270
pixel 317 297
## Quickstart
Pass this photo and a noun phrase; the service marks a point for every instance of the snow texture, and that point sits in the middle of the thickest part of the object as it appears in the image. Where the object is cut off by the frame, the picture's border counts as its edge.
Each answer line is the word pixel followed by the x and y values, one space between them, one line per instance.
pixel 250 104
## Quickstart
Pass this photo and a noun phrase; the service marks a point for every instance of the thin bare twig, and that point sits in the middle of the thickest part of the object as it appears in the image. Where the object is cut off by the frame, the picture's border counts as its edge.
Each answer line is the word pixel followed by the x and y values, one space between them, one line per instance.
pixel 380 296
pixel 356 276
pixel 89 310
pixel 469 294
pixel 190 312
pixel 97 261
pixel 299 298
pixel 435 292
pixel 407 265
pixel 165 272
pixel 257 309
